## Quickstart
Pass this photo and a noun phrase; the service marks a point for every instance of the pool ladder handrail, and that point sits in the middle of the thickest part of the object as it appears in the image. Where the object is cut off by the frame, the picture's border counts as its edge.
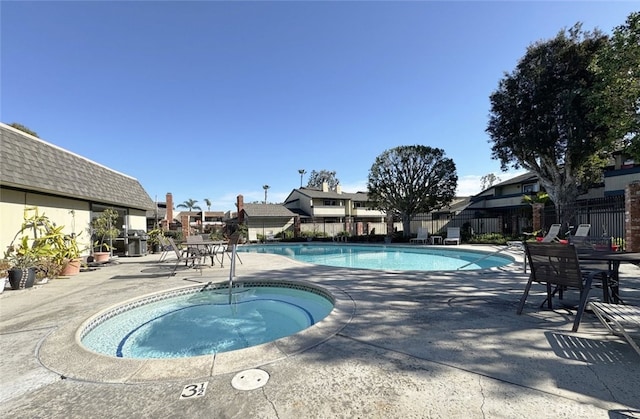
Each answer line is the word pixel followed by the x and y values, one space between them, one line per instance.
pixel 232 271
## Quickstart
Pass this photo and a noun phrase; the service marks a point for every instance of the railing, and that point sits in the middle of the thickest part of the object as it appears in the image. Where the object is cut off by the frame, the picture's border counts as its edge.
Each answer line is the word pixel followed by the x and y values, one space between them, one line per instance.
pixel 232 271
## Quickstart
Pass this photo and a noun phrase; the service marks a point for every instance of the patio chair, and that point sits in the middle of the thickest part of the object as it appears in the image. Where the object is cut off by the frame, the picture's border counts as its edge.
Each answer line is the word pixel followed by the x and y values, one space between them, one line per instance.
pixel 556 264
pixel 184 256
pixel 582 230
pixel 552 234
pixel 619 319
pixel 165 247
pixel 453 235
pixel 234 239
pixel 201 245
pixel 423 236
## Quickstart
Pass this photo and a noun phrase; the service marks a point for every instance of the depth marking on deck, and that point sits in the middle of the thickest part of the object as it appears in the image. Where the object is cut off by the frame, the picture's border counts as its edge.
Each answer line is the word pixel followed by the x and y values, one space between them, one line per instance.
pixel 191 391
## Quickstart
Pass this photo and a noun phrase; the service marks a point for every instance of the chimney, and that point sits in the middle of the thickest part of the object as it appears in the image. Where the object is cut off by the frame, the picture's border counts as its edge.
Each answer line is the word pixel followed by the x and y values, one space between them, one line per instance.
pixel 325 187
pixel 240 205
pixel 338 189
pixel 169 215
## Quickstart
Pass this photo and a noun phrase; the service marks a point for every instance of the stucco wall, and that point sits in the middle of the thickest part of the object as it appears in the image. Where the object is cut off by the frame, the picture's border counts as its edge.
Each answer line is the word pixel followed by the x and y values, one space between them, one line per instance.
pixel 74 215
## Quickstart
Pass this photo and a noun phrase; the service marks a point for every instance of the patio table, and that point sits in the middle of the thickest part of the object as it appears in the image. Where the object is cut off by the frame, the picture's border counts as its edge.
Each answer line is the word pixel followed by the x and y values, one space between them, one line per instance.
pixel 613 259
pixel 206 248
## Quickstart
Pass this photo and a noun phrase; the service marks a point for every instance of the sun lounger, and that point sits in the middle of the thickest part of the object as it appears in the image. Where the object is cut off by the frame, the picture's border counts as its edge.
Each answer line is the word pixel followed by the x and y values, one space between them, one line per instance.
pixel 620 319
pixel 423 236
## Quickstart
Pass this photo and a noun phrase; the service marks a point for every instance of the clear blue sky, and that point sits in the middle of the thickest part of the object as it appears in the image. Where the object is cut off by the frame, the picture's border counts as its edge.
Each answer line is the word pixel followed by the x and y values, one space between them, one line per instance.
pixel 211 99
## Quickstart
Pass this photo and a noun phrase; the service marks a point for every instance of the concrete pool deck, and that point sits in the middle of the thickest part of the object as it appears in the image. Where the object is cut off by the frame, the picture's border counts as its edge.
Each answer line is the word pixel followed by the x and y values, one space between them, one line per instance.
pixel 411 344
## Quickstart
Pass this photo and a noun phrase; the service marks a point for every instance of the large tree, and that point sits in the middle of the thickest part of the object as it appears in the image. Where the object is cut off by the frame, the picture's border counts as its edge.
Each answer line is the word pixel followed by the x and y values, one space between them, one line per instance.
pixel 316 179
pixel 540 116
pixel 408 180
pixel 616 102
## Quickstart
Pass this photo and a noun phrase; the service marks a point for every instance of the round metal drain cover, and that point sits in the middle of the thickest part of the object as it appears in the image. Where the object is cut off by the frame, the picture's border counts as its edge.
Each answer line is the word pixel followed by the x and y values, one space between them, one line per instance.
pixel 250 379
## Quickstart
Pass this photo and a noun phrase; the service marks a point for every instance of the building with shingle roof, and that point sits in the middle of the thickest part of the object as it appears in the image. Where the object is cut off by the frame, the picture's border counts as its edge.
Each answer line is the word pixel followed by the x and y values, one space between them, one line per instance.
pixel 264 220
pixel 65 186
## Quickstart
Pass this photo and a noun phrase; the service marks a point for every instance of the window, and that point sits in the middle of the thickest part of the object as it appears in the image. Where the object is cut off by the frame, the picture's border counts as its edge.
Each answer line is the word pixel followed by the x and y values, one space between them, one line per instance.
pixel 530 188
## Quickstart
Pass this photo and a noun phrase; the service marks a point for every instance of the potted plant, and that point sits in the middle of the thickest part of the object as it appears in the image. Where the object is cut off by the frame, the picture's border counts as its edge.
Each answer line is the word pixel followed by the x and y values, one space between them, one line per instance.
pixel 69 255
pixel 155 239
pixel 104 231
pixel 23 259
pixel 47 268
pixel 5 265
pixel 31 243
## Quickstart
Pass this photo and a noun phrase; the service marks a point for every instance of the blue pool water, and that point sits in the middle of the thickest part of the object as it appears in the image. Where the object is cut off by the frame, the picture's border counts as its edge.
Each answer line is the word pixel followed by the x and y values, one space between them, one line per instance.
pixel 392 258
pixel 202 323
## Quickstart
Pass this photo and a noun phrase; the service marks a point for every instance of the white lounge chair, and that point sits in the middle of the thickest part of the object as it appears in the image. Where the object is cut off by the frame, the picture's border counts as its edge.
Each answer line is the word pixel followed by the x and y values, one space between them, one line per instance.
pixel 552 234
pixel 423 236
pixel 620 319
pixel 453 235
pixel 582 230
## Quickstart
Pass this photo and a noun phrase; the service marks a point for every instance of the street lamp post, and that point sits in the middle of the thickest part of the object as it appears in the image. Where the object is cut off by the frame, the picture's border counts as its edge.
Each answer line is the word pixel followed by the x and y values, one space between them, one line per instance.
pixel 302 173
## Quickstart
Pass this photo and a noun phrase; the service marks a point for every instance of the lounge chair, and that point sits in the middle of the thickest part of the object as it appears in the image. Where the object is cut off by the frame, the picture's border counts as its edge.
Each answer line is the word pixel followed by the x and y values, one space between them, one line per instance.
pixel 582 230
pixel 423 236
pixel 552 234
pixel 166 248
pixel 556 264
pixel 581 234
pixel 619 319
pixel 453 235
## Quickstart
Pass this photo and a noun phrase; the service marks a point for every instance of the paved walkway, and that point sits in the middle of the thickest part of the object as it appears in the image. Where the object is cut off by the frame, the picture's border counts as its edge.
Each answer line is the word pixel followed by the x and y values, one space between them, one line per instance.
pixel 410 345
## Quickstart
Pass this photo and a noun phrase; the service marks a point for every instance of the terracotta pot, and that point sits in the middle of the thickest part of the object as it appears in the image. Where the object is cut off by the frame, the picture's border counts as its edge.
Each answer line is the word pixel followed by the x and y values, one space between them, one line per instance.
pixel 101 256
pixel 71 268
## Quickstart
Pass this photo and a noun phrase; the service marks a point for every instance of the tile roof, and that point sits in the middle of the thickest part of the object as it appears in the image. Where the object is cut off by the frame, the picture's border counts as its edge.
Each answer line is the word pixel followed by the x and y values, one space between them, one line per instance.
pixel 267 210
pixel 27 162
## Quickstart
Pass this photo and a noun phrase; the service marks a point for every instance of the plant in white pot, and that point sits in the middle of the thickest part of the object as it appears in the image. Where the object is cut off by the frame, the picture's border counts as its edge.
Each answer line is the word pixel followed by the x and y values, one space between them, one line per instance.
pixel 5 265
pixel 104 230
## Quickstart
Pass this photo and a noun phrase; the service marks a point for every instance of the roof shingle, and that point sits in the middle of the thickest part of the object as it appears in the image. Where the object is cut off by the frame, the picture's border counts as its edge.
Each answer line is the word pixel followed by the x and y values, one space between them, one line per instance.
pixel 26 162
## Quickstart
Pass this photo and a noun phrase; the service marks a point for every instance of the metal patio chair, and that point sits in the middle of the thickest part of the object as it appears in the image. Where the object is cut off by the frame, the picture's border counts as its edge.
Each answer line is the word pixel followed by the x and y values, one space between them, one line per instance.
pixel 557 266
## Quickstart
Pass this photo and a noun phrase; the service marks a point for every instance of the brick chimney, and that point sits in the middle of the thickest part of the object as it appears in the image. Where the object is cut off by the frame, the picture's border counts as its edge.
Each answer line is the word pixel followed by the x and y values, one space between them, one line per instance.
pixel 169 208
pixel 240 205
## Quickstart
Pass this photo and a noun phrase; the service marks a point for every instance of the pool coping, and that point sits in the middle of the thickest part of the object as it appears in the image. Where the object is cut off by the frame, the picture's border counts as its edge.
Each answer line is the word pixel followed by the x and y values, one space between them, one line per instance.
pixel 61 351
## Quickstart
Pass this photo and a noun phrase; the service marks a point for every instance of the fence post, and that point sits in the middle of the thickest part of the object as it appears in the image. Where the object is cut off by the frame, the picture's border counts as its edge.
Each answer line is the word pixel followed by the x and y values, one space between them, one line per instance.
pixel 632 217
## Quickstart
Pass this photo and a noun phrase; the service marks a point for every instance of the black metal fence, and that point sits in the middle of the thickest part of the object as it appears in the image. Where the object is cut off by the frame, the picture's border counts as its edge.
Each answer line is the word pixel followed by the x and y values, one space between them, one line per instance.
pixel 606 216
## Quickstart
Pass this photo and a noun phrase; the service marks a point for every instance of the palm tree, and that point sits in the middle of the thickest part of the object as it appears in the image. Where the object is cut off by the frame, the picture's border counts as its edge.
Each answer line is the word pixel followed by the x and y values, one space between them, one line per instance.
pixel 190 204
pixel 265 187
pixel 207 202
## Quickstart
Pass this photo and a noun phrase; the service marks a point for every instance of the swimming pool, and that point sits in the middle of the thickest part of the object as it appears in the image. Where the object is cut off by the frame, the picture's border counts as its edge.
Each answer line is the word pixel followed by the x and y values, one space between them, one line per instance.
pixel 384 257
pixel 199 320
